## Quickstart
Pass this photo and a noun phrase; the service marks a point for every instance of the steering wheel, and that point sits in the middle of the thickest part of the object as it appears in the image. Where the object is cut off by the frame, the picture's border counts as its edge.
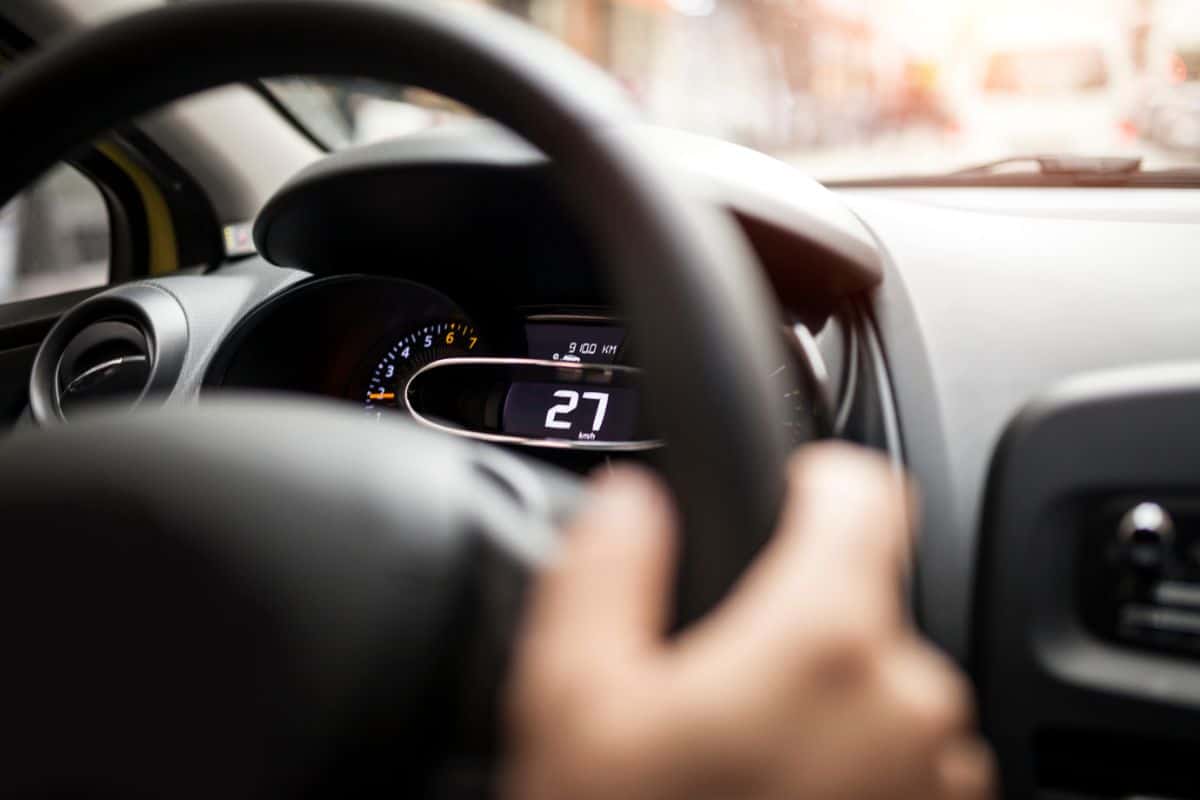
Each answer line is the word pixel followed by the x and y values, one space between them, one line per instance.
pixel 215 600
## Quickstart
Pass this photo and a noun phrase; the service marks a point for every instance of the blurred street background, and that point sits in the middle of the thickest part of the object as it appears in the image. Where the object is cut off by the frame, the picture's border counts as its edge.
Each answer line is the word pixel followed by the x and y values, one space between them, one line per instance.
pixel 840 88
pixel 855 88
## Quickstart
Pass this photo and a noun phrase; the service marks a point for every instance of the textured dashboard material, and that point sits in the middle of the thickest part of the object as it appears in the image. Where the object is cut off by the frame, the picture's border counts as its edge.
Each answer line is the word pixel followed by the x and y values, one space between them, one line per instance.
pixel 479 177
pixel 980 311
pixel 214 303
pixel 210 306
pixel 1041 667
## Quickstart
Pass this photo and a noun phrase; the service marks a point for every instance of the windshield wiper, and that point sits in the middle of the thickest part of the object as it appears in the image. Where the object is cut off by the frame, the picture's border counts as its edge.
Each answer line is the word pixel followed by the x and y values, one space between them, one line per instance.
pixel 1079 166
pixel 1044 170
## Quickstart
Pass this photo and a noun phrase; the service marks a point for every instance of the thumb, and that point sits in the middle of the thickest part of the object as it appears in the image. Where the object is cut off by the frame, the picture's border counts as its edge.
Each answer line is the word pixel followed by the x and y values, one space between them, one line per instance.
pixel 608 594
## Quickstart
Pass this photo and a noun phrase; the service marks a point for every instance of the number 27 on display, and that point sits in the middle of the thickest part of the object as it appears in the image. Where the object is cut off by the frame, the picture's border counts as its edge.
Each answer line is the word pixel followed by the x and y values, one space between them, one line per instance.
pixel 572 402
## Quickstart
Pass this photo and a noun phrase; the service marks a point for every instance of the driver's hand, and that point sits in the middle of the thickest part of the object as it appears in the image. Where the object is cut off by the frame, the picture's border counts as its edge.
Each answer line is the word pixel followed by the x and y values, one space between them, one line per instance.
pixel 808 682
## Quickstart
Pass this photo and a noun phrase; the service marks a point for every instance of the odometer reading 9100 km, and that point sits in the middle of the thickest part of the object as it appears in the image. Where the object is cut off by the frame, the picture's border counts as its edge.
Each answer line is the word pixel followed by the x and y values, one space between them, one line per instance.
pixel 411 352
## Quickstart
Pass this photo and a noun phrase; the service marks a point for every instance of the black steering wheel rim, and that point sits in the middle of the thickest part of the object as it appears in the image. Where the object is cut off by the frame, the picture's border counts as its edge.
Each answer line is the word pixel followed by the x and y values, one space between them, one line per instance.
pixel 683 274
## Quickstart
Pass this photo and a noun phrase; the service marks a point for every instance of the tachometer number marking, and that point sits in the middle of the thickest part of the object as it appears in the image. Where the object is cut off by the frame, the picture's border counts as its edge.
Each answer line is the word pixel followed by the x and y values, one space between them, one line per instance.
pixel 409 353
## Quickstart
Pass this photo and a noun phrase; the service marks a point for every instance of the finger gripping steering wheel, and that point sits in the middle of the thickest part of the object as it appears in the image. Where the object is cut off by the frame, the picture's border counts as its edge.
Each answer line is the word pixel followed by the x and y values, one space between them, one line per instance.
pixel 203 602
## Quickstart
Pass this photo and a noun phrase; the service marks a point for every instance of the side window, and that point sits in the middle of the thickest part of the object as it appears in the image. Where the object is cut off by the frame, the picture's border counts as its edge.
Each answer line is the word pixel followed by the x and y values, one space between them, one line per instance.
pixel 54 237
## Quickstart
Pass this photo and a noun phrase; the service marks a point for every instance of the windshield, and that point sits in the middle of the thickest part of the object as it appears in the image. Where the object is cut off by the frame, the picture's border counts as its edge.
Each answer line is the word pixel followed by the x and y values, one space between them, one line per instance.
pixel 852 89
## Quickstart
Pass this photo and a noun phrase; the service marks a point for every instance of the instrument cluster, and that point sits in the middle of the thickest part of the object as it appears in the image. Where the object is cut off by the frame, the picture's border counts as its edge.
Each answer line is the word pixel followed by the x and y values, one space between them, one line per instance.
pixel 552 379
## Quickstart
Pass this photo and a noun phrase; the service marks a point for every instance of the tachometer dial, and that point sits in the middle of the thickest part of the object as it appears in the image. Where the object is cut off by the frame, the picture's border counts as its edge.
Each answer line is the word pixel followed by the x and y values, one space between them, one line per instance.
pixel 409 353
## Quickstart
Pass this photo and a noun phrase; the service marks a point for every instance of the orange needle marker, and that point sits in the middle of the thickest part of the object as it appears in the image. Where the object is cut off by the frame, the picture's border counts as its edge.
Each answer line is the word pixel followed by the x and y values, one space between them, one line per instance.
pixel 381 396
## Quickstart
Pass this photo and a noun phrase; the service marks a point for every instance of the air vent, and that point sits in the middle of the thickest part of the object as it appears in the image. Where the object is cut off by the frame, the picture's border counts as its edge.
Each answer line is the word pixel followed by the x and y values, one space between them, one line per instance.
pixel 120 348
pixel 107 362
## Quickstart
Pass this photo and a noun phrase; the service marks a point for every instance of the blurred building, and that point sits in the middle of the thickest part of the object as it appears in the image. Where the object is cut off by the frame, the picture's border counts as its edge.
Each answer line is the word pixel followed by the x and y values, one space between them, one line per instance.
pixel 849 82
pixel 767 73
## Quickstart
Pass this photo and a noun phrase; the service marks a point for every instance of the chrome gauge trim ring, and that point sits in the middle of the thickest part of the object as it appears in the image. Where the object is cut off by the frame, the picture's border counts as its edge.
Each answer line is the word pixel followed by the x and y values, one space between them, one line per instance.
pixel 527 441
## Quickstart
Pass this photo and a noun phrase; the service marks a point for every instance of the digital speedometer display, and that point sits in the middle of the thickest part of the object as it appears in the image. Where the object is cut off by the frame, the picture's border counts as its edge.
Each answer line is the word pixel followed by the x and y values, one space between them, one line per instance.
pixel 571 411
pixel 581 413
